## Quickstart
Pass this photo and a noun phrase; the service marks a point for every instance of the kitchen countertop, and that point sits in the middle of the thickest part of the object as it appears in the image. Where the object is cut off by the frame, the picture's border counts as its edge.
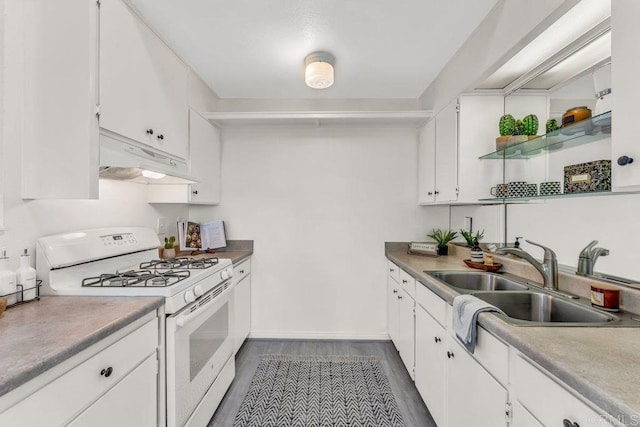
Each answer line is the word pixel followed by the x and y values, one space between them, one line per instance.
pixel 36 336
pixel 600 363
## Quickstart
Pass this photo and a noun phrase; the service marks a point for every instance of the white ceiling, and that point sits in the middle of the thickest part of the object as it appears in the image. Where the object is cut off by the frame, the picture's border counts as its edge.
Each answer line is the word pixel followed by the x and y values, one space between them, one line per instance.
pixel 256 49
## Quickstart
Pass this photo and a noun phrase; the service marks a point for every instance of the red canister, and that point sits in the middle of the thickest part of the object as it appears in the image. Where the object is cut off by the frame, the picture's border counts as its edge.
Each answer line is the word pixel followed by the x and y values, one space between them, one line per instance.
pixel 605 297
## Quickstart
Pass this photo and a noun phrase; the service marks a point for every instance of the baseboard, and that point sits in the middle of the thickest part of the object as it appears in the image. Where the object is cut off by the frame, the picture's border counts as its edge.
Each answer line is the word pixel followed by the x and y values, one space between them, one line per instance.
pixel 307 335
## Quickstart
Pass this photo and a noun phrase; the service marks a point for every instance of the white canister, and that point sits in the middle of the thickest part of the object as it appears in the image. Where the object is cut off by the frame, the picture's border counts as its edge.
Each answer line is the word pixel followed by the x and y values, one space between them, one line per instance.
pixel 26 277
pixel 7 280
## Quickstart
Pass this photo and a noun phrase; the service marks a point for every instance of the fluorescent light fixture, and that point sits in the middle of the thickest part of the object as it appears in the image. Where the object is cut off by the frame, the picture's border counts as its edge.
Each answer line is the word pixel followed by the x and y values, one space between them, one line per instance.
pixel 318 70
pixel 152 174
pixel 584 16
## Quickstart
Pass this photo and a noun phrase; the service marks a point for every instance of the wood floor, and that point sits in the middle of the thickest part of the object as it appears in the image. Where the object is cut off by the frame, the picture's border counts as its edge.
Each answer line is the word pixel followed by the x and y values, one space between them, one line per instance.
pixel 413 410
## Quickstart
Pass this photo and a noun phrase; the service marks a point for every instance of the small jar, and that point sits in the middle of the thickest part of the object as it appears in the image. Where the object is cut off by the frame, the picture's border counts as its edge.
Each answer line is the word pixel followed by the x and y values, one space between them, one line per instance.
pixel 477 255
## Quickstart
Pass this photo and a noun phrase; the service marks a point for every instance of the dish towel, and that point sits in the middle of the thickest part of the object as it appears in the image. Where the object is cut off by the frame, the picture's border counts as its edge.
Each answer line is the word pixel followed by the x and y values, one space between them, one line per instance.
pixel 465 316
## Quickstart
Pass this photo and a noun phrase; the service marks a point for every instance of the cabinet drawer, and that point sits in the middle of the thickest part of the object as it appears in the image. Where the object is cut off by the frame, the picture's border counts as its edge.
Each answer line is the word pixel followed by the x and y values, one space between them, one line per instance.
pixel 66 396
pixel 432 303
pixel 393 271
pixel 408 283
pixel 493 355
pixel 548 401
pixel 241 270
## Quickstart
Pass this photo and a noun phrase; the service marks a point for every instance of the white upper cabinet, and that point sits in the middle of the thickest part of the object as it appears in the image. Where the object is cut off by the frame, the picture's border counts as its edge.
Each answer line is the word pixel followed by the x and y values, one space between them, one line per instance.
pixel 143 84
pixel 204 164
pixel 625 67
pixel 426 165
pixel 446 157
pixel 59 42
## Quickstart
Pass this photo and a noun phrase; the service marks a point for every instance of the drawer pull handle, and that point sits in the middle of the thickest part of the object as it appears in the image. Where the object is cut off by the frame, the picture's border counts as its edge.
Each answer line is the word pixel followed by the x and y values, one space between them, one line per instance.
pixel 160 137
pixel 449 355
pixel 404 281
pixel 195 192
pixel 625 160
pixel 241 271
pixel 395 291
pixel 149 131
pixel 567 423
pixel 391 270
pixel 107 372
pixel 399 297
pixel 436 339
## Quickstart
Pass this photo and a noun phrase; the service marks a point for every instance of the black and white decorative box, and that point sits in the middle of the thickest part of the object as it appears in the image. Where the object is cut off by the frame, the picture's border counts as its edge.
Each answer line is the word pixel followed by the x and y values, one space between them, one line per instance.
pixel 590 176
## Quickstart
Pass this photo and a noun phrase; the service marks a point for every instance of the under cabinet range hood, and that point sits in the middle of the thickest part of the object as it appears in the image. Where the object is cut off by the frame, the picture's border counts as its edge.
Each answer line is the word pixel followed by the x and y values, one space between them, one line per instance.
pixel 127 162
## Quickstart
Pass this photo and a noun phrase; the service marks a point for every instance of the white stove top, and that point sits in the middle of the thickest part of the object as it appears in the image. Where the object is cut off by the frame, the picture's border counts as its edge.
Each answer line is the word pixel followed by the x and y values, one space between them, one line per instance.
pixel 63 262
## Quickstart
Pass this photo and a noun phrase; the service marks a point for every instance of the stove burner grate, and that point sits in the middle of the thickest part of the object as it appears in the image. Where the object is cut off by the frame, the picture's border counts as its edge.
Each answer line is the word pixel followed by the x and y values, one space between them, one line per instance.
pixel 138 278
pixel 179 263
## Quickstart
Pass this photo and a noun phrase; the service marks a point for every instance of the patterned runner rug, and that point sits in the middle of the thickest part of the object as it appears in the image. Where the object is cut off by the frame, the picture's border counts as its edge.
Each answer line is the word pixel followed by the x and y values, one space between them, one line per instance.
pixel 296 391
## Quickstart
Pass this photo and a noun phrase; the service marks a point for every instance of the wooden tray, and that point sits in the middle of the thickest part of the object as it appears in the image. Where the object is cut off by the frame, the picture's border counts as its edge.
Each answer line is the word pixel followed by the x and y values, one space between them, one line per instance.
pixel 480 266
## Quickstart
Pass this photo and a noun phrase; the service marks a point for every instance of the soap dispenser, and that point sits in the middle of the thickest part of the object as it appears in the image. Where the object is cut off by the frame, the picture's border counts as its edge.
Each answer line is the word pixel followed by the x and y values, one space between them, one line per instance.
pixel 26 277
pixel 476 253
pixel 8 286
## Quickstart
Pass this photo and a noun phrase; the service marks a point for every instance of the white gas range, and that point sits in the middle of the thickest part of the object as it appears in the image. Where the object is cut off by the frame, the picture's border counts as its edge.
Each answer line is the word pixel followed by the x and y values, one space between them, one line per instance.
pixel 198 303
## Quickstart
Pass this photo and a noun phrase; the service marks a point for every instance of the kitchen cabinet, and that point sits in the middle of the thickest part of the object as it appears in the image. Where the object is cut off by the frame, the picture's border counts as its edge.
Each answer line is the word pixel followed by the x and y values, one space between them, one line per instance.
pixel 393 289
pixel 105 74
pixel 449 171
pixel 102 386
pixel 406 330
pixel 205 164
pixel 625 66
pixel 550 402
pixel 143 84
pixel 242 300
pixel 473 396
pixel 430 363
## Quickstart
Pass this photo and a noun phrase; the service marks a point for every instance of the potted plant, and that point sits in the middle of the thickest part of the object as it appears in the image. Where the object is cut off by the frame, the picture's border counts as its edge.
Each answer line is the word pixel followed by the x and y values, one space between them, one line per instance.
pixel 169 249
pixel 442 238
pixel 470 237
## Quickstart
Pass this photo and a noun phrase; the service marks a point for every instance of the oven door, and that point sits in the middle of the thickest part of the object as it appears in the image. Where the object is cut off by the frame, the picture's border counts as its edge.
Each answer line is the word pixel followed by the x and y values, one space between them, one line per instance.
pixel 199 343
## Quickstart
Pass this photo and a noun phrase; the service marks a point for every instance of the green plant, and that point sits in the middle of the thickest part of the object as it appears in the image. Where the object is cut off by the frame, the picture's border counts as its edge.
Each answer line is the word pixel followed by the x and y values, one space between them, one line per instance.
pixel 552 124
pixel 442 237
pixel 169 241
pixel 530 124
pixel 470 237
pixel 507 125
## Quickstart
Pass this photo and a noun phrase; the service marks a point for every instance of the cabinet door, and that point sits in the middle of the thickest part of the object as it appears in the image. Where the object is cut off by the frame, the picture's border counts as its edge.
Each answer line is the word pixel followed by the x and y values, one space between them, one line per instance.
pixel 406 325
pixel 60 143
pixel 392 310
pixel 430 363
pixel 143 84
pixel 474 398
pixel 447 153
pixel 522 417
pixel 426 163
pixel 242 296
pixel 625 66
pixel 204 141
pixel 131 402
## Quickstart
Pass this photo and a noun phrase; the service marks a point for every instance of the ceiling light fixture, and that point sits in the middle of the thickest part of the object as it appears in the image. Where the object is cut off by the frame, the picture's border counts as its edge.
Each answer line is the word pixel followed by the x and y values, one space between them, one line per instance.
pixel 318 70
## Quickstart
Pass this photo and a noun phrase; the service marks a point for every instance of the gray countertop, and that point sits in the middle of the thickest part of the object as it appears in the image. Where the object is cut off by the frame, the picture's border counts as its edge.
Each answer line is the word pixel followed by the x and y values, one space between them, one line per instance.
pixel 600 363
pixel 36 336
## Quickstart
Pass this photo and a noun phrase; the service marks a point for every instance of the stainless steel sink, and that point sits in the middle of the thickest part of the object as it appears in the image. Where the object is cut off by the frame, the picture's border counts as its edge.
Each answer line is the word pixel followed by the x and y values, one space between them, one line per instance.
pixel 471 281
pixel 542 308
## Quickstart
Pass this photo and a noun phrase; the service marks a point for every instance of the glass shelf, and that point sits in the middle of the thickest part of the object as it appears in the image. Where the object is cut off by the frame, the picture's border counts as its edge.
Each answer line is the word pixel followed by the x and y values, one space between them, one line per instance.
pixel 502 200
pixel 583 132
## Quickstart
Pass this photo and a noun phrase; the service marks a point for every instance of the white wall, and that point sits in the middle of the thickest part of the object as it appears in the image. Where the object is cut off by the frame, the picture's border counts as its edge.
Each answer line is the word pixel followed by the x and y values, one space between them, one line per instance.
pixel 319 205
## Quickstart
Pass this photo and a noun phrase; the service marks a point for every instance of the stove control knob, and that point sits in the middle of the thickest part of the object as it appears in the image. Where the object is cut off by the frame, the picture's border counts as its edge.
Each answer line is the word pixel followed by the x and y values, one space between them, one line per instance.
pixel 230 271
pixel 189 296
pixel 224 275
pixel 198 290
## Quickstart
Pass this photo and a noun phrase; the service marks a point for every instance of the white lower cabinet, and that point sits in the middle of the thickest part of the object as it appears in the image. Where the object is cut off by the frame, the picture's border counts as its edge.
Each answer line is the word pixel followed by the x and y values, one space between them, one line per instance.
pixel 393 326
pixel 406 329
pixel 431 363
pixel 134 397
pixel 242 300
pixel 550 402
pixel 474 397
pixel 107 386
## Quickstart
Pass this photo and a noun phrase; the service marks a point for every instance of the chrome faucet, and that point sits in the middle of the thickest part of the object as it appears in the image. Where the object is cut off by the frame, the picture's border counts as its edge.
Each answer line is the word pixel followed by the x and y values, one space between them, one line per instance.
pixel 548 268
pixel 588 257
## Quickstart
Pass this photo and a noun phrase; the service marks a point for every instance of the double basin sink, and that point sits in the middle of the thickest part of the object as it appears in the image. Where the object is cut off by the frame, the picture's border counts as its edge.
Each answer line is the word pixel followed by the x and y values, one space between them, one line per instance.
pixel 523 305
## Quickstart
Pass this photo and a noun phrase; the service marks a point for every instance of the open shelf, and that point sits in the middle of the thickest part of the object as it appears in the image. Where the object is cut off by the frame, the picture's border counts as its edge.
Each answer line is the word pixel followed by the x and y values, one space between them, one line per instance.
pixel 583 132
pixel 501 200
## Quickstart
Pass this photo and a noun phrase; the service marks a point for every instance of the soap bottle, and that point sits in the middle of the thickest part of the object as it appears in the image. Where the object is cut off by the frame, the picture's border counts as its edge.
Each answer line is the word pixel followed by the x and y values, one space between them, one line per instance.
pixel 476 252
pixel 26 277
pixel 7 280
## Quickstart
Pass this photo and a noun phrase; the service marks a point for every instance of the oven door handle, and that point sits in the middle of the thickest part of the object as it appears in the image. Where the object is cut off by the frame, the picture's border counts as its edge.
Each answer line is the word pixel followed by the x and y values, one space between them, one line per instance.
pixel 187 318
